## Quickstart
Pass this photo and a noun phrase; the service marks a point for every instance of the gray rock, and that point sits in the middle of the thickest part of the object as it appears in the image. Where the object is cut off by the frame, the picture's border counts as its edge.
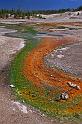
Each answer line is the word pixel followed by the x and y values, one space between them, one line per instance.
pixel 64 96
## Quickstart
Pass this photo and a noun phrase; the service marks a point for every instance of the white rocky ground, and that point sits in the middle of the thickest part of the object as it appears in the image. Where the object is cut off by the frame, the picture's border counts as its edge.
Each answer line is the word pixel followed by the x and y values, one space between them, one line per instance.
pixel 8 47
pixel 64 17
pixel 68 59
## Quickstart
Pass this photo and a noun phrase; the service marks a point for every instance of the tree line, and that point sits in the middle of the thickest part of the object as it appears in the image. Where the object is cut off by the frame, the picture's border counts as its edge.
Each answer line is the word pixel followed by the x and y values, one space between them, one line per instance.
pixel 4 13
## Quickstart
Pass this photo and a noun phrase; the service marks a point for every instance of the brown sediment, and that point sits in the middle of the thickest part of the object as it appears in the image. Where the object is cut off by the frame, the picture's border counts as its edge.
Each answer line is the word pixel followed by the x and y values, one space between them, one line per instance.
pixel 35 70
pixel 61 24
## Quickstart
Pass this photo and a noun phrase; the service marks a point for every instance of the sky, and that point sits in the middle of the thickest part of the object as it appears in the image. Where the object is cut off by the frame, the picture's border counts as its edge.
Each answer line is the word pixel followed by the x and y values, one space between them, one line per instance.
pixel 39 4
